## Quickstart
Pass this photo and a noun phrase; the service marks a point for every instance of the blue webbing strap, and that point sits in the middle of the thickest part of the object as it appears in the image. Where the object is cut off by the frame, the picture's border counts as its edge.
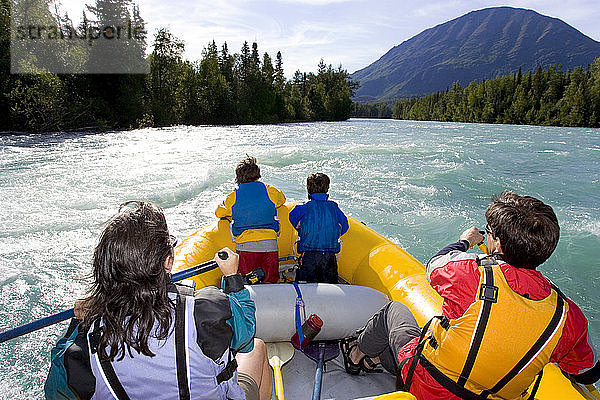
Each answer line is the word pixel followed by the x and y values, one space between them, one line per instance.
pixel 299 303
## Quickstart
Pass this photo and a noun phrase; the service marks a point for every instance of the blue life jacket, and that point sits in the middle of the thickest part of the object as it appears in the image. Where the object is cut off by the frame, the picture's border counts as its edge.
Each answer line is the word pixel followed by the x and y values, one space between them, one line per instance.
pixel 319 230
pixel 253 209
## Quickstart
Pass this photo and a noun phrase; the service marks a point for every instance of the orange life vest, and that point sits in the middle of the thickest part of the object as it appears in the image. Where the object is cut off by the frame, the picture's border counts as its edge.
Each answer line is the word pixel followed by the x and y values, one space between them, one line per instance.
pixel 498 346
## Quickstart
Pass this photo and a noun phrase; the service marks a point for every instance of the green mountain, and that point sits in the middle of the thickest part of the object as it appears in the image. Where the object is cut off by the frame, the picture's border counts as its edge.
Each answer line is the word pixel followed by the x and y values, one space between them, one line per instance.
pixel 480 45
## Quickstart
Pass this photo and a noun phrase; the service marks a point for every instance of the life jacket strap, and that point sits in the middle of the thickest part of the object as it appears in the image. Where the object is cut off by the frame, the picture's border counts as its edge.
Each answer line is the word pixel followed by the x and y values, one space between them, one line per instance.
pixel 228 372
pixel 417 356
pixel 299 307
pixel 536 385
pixel 181 347
pixel 489 295
pixel 106 366
pixel 449 384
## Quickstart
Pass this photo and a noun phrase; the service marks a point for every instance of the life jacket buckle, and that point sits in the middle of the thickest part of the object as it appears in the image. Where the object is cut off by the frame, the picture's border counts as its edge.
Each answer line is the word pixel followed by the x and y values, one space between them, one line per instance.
pixel 95 340
pixel 186 287
pixel 444 322
pixel 227 372
pixel 488 293
pixel 433 343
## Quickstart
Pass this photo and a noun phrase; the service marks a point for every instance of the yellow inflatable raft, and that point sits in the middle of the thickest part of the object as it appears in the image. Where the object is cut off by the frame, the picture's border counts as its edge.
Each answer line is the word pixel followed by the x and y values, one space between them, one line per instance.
pixel 366 259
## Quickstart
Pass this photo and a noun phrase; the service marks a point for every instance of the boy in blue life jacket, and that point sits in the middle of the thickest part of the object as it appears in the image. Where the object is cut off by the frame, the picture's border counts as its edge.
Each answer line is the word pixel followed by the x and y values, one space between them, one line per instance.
pixel 252 210
pixel 319 223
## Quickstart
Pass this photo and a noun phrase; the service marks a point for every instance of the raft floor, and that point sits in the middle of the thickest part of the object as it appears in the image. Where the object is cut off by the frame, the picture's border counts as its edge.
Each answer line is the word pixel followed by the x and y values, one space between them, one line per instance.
pixel 299 377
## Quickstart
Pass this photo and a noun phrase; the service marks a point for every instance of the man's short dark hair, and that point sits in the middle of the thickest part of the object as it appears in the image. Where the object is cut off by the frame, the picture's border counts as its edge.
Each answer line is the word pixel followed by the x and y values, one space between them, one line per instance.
pixel 247 170
pixel 527 228
pixel 317 183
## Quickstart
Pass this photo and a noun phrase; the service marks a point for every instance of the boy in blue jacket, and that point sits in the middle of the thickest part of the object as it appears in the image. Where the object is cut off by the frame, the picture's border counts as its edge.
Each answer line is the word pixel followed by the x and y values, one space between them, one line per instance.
pixel 319 223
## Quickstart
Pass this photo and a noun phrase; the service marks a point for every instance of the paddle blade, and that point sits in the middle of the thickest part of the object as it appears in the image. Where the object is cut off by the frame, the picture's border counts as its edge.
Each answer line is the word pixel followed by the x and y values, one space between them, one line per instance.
pixel 279 353
pixel 284 351
pixel 330 350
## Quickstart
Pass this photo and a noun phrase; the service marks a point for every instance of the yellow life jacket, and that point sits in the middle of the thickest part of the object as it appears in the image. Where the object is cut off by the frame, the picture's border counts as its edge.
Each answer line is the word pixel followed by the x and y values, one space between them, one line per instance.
pixel 501 342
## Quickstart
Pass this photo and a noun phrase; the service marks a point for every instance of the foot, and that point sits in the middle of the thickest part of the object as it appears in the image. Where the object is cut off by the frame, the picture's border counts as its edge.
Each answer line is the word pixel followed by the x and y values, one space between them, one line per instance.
pixel 348 346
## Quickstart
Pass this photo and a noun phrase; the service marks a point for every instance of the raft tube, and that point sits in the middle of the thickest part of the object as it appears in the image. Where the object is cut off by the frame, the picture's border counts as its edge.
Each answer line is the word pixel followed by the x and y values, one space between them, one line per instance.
pixel 343 309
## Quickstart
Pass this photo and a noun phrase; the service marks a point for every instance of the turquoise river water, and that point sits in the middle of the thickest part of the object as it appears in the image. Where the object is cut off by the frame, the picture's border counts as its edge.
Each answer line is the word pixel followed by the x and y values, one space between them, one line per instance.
pixel 418 183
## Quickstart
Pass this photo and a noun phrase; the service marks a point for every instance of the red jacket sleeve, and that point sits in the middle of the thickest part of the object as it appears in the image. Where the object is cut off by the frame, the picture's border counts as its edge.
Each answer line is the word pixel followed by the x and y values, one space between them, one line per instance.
pixel 574 352
pixel 456 281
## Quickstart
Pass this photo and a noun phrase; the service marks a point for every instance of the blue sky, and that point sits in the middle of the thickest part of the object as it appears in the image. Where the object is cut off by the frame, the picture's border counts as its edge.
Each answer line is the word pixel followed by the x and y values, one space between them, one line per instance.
pixel 353 33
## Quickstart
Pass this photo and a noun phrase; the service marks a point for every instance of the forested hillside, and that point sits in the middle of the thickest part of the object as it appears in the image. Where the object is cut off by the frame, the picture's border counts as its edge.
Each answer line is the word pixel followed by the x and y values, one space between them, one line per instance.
pixel 220 88
pixel 546 97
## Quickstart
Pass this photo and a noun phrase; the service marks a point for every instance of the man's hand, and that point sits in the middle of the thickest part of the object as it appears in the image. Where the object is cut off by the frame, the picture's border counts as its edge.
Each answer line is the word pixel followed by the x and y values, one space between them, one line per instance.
pixel 229 266
pixel 473 236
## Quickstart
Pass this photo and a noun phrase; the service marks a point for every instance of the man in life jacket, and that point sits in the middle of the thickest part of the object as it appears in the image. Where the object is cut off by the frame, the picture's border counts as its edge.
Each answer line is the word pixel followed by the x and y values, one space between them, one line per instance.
pixel 319 223
pixel 502 321
pixel 252 210
pixel 138 335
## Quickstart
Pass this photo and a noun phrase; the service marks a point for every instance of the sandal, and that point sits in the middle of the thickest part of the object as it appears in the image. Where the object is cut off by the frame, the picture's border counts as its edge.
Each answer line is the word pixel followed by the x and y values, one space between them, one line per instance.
pixel 368 365
pixel 346 346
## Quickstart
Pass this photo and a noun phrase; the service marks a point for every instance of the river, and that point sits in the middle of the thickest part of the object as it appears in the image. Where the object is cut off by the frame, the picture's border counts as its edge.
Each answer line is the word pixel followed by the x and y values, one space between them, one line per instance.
pixel 418 183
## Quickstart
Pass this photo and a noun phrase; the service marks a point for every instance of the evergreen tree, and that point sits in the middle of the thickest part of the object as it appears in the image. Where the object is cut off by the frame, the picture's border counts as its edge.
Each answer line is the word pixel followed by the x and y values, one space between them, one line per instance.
pixel 214 90
pixel 165 77
pixel 255 57
pixel 573 106
pixel 226 63
pixel 281 109
pixel 594 93
pixel 5 77
pixel 279 77
pixel 244 62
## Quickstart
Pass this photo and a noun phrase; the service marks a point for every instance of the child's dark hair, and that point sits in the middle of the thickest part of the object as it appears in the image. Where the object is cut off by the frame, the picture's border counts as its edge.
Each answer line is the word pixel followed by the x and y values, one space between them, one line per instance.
pixel 527 228
pixel 247 170
pixel 317 183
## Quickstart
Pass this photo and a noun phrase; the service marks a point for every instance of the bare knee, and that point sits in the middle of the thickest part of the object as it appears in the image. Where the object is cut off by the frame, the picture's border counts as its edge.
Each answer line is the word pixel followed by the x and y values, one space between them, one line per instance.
pixel 260 348
pixel 252 363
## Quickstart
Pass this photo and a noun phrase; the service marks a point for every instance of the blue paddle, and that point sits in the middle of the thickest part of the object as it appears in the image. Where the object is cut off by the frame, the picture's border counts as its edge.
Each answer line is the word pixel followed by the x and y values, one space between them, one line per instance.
pixel 321 352
pixel 64 315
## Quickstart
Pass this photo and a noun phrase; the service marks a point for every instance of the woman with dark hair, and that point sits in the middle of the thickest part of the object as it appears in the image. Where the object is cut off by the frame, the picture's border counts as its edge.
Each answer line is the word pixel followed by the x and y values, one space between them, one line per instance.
pixel 252 210
pixel 138 335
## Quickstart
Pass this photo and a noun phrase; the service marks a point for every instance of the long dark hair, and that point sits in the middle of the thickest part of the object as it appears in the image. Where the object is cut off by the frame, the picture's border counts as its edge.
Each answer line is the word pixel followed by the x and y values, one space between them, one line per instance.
pixel 129 291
